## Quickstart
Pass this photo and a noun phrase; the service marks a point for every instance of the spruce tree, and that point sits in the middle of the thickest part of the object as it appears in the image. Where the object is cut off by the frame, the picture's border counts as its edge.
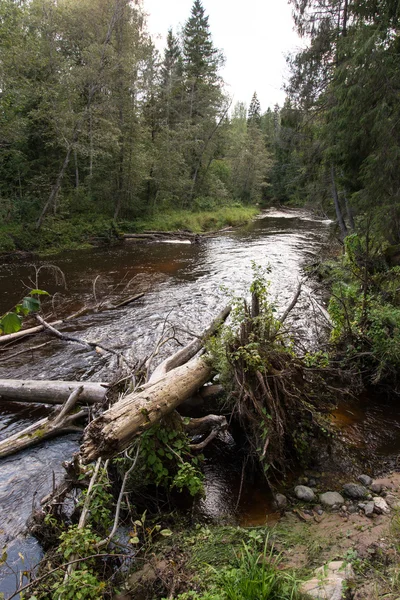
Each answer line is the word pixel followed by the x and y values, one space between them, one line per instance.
pixel 254 114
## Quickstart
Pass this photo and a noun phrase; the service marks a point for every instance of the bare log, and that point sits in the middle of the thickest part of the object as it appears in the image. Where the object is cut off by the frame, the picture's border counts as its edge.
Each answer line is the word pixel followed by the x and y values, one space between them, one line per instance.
pixel 48 427
pixel 50 392
pixel 13 337
pixel 116 428
pixel 186 353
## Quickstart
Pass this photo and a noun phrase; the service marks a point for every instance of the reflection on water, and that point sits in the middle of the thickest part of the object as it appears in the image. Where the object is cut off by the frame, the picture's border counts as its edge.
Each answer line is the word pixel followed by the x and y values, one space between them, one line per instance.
pixel 370 423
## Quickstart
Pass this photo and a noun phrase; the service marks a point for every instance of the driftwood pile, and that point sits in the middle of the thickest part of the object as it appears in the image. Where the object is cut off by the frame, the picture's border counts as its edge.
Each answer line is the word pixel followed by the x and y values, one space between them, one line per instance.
pixel 175 380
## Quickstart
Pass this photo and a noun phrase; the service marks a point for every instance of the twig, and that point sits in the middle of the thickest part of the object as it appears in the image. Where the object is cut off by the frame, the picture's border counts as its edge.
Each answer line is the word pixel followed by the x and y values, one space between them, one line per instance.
pixel 31 349
pixel 107 540
pixel 86 344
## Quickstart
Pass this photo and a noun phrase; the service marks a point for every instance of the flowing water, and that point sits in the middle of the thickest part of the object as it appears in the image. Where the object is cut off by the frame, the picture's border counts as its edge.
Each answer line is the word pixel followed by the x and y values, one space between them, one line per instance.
pixel 187 284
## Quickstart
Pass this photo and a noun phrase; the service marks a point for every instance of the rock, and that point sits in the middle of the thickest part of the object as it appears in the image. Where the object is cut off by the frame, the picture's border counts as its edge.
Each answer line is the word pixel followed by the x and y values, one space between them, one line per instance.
pixel 376 487
pixel 365 480
pixel 331 498
pixel 369 509
pixel 329 582
pixel 312 483
pixel 304 493
pixel 353 490
pixel 280 501
pixel 381 507
pixel 351 509
pixel 385 482
pixel 390 499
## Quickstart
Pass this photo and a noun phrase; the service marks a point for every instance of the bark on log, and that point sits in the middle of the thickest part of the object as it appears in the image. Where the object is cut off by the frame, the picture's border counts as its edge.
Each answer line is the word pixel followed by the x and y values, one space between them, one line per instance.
pixel 50 392
pixel 116 428
pixel 56 424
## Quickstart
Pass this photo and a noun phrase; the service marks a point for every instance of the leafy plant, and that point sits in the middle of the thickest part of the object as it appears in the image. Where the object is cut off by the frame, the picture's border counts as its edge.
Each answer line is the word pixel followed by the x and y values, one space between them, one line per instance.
pixel 11 322
pixel 166 459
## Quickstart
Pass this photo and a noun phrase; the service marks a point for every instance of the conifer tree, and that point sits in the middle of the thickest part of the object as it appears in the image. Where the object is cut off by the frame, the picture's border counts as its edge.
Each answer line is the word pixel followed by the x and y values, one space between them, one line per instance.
pixel 254 114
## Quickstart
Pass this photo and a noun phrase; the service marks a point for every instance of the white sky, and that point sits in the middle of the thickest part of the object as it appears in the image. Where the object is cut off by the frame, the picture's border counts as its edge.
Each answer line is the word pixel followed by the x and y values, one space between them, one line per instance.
pixel 254 36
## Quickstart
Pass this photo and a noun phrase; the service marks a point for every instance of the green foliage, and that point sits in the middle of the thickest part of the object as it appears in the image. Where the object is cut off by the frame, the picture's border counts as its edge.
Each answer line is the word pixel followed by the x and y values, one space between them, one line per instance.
pixel 166 459
pixel 365 309
pixel 11 322
pixel 252 575
pixel 82 584
pixel 101 499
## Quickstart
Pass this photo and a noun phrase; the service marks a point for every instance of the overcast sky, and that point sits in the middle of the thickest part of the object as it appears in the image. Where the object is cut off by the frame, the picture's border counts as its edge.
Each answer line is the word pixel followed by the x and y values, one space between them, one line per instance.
pixel 254 35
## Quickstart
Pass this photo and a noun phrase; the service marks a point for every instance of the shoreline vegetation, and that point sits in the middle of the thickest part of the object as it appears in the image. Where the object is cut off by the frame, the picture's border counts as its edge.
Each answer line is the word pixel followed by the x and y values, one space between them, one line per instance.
pixel 57 235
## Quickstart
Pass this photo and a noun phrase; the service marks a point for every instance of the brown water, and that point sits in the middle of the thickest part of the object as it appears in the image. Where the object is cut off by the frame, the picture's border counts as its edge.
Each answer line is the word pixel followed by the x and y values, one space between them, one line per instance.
pixel 188 285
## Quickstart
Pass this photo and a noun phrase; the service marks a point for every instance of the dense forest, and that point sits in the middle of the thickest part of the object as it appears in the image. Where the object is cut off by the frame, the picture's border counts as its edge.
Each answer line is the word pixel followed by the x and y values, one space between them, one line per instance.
pixel 95 121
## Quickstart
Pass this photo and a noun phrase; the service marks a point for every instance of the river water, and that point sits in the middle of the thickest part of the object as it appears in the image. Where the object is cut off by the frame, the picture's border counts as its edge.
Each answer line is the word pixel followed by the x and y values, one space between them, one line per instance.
pixel 187 284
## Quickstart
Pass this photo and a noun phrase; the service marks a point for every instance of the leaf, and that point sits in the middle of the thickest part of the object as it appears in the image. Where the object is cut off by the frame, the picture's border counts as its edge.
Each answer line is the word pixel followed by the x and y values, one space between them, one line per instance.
pixel 31 304
pixel 10 323
pixel 166 532
pixel 134 540
pixel 138 523
pixel 39 293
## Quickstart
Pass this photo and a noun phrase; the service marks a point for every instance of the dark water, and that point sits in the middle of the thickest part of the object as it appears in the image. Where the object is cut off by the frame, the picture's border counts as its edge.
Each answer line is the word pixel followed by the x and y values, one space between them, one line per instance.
pixel 185 283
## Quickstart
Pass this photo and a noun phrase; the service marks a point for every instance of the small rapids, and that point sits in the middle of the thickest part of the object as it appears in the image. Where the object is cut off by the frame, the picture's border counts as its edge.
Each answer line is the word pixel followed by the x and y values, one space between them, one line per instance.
pixel 187 284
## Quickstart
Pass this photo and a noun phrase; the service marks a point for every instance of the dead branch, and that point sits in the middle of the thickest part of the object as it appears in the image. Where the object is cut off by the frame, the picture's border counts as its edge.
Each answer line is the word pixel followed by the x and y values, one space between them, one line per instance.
pixel 48 427
pixel 293 303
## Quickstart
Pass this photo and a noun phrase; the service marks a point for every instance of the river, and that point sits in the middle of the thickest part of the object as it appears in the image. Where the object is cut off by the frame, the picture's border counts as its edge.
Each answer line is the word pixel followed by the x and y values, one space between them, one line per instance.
pixel 185 283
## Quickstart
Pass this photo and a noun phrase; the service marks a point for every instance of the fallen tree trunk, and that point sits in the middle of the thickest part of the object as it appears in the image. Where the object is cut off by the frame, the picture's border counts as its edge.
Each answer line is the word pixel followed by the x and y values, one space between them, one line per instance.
pixel 184 354
pixel 45 428
pixel 50 392
pixel 116 428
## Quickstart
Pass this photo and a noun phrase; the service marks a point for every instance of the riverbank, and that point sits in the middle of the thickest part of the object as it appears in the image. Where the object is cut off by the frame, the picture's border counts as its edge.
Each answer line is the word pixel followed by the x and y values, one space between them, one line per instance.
pixel 81 232
pixel 226 562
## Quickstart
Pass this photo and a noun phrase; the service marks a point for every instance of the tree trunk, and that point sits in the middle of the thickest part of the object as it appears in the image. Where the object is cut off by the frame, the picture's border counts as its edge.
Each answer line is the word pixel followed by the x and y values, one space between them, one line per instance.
pixel 50 392
pixel 338 210
pixel 117 427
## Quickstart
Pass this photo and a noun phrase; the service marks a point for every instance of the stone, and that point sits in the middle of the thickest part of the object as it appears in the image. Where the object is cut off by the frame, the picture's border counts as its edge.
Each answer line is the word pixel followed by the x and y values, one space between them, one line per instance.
pixel 280 501
pixel 369 509
pixel 365 480
pixel 352 509
pixel 381 506
pixel 356 491
pixel 312 483
pixel 329 582
pixel 331 498
pixel 385 482
pixel 390 499
pixel 302 492
pixel 376 487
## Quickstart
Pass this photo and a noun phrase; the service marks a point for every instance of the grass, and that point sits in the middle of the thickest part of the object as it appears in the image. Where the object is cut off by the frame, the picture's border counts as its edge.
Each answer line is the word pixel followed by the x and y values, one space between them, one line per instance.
pixel 230 563
pixel 83 231
pixel 197 222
